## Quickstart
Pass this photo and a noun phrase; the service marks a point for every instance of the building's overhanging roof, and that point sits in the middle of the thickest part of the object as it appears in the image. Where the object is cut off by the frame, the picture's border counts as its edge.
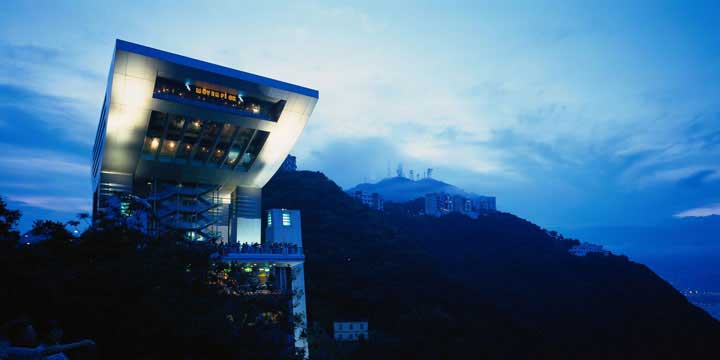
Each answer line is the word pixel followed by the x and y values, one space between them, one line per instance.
pixel 213 68
pixel 130 102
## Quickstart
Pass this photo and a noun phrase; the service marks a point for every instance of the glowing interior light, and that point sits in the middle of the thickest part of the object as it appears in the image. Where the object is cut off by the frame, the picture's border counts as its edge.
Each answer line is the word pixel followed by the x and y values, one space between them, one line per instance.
pixel 286 219
pixel 171 144
pixel 154 143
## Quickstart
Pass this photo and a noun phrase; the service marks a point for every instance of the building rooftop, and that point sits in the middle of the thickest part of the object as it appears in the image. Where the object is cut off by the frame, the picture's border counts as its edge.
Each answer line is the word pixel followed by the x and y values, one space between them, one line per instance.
pixel 213 68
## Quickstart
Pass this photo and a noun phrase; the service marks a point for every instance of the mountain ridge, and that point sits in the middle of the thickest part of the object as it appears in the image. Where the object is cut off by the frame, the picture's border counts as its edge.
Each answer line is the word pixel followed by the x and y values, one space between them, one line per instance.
pixel 401 189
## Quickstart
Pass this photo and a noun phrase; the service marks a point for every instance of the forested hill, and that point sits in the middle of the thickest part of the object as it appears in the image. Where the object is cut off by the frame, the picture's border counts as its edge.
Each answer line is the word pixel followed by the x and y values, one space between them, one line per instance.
pixel 495 287
pixel 403 189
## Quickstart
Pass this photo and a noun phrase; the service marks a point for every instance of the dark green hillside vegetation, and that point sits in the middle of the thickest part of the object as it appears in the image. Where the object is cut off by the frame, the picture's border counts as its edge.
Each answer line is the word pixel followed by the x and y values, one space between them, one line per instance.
pixel 495 287
pixel 138 298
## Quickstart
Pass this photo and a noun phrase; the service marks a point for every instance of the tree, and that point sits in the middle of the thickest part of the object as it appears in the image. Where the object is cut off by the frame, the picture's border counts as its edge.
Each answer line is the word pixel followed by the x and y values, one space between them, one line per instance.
pixel 8 220
pixel 84 217
pixel 74 224
pixel 52 231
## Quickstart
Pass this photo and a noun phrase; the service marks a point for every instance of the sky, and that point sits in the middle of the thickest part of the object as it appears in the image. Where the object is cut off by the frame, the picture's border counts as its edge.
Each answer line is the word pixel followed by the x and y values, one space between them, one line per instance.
pixel 571 113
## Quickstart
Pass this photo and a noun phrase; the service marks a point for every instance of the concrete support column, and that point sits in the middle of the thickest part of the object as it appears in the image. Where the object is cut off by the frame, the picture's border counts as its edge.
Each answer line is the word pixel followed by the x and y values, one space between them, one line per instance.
pixel 299 308
pixel 245 216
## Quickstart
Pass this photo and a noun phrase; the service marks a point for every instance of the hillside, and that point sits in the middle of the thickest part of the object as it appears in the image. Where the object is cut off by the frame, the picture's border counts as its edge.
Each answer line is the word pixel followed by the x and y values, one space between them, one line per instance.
pixel 684 251
pixel 495 287
pixel 399 189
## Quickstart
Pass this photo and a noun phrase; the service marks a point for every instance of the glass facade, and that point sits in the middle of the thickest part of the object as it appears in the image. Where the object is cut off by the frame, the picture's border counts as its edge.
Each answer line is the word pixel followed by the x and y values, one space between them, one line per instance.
pixel 231 99
pixel 175 138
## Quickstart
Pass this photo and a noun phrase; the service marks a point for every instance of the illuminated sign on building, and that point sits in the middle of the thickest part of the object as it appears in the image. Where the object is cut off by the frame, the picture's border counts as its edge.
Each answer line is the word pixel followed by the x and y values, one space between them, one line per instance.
pixel 217 94
pixel 236 100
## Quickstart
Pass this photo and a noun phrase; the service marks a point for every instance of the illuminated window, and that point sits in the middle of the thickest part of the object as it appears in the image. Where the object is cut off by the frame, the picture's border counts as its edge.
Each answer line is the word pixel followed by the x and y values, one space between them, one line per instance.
pixel 125 207
pixel 286 218
pixel 269 220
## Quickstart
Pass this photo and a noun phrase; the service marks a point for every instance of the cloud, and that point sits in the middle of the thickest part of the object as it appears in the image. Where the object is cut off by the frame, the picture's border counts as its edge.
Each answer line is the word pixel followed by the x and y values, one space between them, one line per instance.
pixel 56 87
pixel 33 161
pixel 56 203
pixel 685 154
pixel 708 210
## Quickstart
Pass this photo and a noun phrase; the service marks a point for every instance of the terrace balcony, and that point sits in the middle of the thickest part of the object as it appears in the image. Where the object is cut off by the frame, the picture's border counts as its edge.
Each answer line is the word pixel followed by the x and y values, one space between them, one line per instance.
pixel 282 254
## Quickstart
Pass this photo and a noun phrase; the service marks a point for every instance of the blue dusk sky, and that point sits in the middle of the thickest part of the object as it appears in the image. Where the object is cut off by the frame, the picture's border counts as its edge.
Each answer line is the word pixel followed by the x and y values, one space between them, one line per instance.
pixel 571 113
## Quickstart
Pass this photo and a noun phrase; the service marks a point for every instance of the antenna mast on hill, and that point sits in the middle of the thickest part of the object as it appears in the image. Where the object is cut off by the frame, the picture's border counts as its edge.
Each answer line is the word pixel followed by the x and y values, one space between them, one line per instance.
pixel 429 173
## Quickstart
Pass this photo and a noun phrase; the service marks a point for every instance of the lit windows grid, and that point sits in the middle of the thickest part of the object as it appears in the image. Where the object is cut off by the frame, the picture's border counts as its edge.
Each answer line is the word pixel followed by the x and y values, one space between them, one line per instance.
pixel 286 219
pixel 174 138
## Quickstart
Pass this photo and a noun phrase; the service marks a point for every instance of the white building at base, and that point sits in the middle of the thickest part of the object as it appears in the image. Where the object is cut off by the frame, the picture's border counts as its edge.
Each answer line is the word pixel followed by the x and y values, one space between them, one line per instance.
pixel 588 248
pixel 350 330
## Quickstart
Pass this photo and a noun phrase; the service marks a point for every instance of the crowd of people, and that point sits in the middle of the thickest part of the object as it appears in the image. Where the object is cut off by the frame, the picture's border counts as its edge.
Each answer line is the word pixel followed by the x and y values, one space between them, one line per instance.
pixel 274 248
pixel 24 342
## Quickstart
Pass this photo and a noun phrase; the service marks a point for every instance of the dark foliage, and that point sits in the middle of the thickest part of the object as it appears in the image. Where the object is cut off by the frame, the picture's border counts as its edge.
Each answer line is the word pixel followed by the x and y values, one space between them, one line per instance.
pixel 8 220
pixel 495 287
pixel 140 298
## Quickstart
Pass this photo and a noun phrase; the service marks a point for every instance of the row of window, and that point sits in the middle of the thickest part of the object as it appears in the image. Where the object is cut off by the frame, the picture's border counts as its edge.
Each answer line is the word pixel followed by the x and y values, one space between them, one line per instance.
pixel 350 326
pixel 99 140
pixel 285 219
pixel 172 137
pixel 228 98
pixel 353 336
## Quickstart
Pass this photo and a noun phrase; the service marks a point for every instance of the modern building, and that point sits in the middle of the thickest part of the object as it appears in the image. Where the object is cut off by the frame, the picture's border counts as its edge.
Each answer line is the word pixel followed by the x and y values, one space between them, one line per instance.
pixel 290 164
pixel 195 143
pixel 350 330
pixel 438 204
pixel 371 200
pixel 484 203
pixel 588 248
pixel 194 140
